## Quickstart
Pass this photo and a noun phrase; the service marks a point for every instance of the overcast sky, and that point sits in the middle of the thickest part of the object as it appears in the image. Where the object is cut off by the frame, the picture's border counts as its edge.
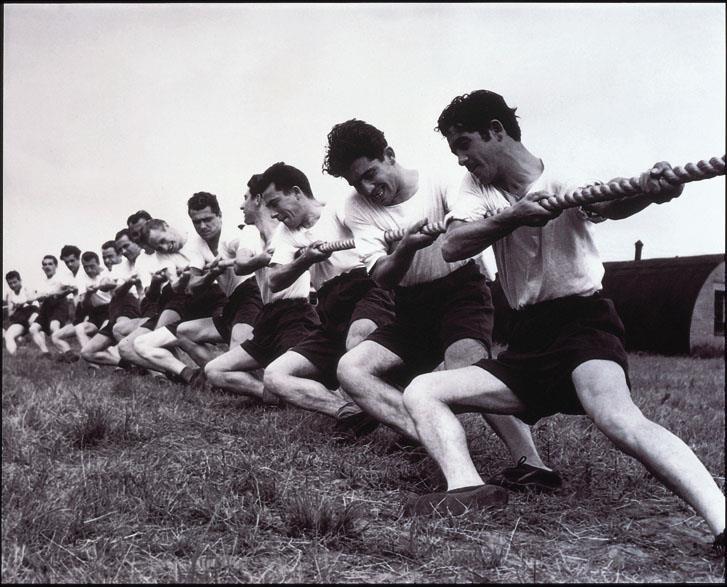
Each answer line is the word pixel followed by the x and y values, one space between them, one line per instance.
pixel 111 108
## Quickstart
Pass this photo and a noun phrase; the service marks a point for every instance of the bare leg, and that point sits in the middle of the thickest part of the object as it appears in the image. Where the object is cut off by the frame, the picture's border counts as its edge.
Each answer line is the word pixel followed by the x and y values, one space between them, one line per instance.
pixel 59 334
pixel 84 332
pixel 240 333
pixel 127 352
pixel 38 337
pixel 601 387
pixel 234 371
pixel 290 377
pixel 13 332
pixel 153 348
pixel 193 334
pixel 98 350
pixel 427 399
pixel 361 372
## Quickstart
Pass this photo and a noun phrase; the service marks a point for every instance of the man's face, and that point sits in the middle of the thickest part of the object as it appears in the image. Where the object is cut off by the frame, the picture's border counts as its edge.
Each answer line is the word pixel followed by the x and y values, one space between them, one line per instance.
pixel 49 267
pixel 110 257
pixel 128 248
pixel 284 207
pixel 206 223
pixel 15 284
pixel 375 180
pixel 72 262
pixel 475 153
pixel 92 268
pixel 135 229
pixel 164 240
pixel 249 207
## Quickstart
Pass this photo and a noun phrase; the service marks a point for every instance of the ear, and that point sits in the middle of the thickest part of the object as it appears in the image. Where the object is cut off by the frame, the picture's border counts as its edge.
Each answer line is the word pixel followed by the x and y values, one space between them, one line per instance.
pixel 498 131
pixel 389 155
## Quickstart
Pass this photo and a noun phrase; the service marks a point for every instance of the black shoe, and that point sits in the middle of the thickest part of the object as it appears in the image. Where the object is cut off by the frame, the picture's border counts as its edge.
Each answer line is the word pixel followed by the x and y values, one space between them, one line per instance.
pixel 351 418
pixel 525 477
pixel 71 357
pixel 718 546
pixel 456 502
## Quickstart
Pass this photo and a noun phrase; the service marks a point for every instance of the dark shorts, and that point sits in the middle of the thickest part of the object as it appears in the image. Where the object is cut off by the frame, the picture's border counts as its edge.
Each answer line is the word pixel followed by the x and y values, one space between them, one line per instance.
pixel 53 309
pixel 79 315
pixel 126 306
pixel 208 303
pixel 152 307
pixel 341 301
pixel 279 327
pixel 548 341
pixel 97 315
pixel 22 315
pixel 242 307
pixel 432 316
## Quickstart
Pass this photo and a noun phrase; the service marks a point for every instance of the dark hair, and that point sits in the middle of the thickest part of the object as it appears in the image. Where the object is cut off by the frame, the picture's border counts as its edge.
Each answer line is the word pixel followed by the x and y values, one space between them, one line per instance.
pixel 254 184
pixel 475 111
pixel 149 225
pixel 89 256
pixel 285 177
pixel 122 232
pixel 70 250
pixel 110 245
pixel 52 258
pixel 136 216
pixel 12 275
pixel 201 200
pixel 350 140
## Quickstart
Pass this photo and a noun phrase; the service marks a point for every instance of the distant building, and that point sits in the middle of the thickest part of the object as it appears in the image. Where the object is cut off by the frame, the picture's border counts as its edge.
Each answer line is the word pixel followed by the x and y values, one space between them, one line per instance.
pixel 672 306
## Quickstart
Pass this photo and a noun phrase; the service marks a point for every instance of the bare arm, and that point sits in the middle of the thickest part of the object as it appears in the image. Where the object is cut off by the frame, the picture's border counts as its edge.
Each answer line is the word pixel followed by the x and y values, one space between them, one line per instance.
pixel 390 270
pixel 283 276
pixel 466 239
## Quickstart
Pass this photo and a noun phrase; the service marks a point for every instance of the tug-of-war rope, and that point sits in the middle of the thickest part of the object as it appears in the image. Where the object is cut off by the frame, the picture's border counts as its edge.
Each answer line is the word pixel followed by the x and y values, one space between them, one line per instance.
pixel 613 190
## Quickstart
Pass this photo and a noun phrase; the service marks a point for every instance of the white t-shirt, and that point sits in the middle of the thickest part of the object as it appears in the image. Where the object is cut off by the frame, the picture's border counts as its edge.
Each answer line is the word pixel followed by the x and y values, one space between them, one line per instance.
pixel 53 284
pixel 534 263
pixel 144 266
pixel 121 272
pixel 300 288
pixel 331 226
pixel 433 199
pixel 13 299
pixel 227 247
pixel 190 255
pixel 98 298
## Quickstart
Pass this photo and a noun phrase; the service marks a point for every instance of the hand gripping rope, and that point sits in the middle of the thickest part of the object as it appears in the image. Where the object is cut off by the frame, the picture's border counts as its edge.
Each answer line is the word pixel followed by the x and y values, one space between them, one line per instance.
pixel 614 190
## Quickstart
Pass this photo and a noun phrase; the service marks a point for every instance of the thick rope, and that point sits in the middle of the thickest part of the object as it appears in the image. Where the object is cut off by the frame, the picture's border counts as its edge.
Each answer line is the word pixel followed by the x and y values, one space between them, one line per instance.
pixel 614 190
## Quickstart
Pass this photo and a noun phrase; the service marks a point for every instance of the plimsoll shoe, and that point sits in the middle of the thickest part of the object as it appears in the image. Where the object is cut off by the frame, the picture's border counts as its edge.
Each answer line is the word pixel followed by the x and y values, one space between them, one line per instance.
pixel 457 501
pixel 524 477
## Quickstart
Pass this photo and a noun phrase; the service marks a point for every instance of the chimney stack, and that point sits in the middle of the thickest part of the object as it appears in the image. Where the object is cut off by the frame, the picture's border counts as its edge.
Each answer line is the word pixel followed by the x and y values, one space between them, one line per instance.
pixel 638 245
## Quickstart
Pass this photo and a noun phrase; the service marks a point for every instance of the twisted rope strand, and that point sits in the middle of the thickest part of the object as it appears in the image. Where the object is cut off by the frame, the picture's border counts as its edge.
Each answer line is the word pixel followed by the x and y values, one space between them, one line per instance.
pixel 614 190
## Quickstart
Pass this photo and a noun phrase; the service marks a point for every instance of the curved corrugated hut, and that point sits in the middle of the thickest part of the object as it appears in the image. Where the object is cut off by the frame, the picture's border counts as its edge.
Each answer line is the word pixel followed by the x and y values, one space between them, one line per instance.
pixel 669 306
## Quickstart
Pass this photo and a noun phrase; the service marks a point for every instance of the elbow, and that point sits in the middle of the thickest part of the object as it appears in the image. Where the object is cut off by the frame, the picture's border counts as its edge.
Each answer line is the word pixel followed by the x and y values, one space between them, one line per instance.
pixel 449 253
pixel 276 284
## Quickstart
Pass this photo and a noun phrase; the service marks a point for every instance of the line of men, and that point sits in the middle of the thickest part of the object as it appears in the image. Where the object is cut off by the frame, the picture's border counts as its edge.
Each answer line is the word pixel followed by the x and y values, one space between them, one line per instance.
pixel 401 332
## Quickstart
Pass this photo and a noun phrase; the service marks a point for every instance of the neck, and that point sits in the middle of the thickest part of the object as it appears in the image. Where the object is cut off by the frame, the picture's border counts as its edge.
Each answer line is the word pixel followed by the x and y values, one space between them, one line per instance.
pixel 520 170
pixel 266 226
pixel 408 186
pixel 312 214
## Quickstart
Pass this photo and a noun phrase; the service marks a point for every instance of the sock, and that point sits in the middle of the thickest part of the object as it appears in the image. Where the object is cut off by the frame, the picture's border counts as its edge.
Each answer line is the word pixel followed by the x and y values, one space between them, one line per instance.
pixel 125 364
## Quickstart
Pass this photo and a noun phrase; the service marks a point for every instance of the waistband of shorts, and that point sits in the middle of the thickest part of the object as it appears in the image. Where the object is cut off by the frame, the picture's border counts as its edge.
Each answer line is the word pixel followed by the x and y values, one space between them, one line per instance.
pixel 454 276
pixel 358 272
pixel 554 304
pixel 286 302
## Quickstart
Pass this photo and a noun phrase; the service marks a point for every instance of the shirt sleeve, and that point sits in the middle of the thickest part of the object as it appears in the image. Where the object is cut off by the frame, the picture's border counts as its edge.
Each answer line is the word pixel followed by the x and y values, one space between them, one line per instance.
pixel 285 250
pixel 371 244
pixel 472 201
pixel 249 239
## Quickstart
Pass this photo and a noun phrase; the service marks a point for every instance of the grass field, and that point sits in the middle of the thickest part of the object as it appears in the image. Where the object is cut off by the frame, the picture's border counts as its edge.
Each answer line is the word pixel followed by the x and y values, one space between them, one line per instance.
pixel 112 477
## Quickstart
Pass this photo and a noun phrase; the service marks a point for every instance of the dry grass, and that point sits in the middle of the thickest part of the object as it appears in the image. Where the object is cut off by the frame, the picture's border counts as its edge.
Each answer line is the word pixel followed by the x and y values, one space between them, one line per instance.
pixel 117 478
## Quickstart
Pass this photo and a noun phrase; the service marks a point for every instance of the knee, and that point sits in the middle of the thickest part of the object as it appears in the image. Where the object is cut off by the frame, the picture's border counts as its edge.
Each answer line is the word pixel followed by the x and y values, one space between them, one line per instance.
pixel 141 346
pixel 623 425
pixel 358 332
pixel 118 330
pixel 416 394
pixel 273 378
pixel 126 349
pixel 213 372
pixel 86 354
pixel 185 330
pixel 351 369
